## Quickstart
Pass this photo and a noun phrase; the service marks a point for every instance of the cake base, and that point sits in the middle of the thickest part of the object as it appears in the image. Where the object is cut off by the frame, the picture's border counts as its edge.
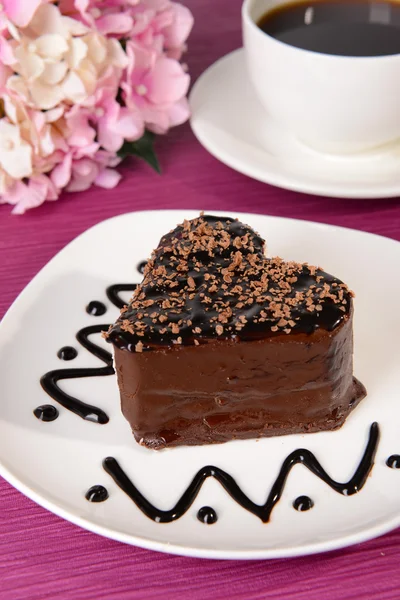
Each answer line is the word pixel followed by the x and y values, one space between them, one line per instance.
pixel 225 390
pixel 199 432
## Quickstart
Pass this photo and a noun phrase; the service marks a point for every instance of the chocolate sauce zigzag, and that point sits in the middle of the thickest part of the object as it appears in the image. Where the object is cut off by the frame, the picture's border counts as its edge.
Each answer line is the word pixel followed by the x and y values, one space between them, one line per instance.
pixel 301 456
pixel 209 278
pixel 113 292
pixel 49 381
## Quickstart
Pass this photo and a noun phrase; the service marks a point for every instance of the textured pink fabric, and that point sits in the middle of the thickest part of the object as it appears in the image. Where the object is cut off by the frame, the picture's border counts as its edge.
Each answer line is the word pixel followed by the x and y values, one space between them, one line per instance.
pixel 42 556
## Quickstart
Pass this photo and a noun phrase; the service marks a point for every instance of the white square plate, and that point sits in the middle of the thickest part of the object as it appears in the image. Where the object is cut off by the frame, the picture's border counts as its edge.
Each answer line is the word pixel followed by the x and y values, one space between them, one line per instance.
pixel 55 463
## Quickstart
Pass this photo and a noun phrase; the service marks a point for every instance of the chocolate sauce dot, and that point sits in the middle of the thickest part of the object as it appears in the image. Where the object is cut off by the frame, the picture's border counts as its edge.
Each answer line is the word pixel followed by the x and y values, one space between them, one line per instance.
pixel 393 461
pixel 303 503
pixel 207 515
pixel 67 353
pixel 141 266
pixel 96 308
pixel 46 412
pixel 97 493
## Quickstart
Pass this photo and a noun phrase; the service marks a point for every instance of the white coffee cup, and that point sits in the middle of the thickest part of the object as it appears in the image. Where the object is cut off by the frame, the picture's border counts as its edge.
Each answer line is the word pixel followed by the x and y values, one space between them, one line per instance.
pixel 334 104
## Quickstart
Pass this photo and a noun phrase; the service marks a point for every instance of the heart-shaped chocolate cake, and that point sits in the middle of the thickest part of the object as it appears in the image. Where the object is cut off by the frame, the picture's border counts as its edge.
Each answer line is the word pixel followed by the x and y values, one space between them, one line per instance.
pixel 220 342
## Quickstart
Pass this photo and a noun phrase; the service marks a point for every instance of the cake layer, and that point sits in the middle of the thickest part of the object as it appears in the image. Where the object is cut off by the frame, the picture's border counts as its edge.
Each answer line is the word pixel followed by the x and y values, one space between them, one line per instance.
pixel 227 390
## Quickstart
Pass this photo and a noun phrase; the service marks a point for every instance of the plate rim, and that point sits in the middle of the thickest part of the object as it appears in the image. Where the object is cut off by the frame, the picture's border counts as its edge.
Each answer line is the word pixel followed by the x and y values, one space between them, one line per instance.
pixel 269 175
pixel 192 551
pixel 175 548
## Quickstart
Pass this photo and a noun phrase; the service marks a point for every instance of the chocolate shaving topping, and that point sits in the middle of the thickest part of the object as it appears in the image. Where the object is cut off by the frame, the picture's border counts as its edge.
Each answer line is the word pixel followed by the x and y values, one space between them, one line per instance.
pixel 209 278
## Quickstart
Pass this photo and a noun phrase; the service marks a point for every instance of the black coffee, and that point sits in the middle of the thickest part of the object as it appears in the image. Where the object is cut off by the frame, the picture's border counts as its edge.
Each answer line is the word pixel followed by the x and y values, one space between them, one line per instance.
pixel 340 27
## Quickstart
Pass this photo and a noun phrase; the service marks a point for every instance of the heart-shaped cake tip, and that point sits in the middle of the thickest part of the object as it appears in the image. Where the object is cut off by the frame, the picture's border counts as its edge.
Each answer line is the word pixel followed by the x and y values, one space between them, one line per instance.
pixel 220 342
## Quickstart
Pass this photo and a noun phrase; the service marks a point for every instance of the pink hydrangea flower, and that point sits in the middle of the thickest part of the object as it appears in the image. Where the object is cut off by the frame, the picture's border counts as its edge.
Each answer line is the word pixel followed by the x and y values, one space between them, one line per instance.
pixel 78 79
pixel 79 173
pixel 20 12
pixel 157 86
pixel 30 195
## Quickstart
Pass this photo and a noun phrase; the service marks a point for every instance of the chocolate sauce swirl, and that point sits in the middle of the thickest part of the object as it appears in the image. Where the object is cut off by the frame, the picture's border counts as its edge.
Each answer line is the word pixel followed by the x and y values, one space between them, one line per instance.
pixel 263 512
pixel 113 292
pixel 49 381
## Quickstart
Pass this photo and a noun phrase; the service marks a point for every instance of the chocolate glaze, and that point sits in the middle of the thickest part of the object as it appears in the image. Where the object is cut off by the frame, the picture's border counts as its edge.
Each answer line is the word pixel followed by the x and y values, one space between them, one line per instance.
pixel 207 515
pixel 157 290
pixel 46 413
pixel 67 353
pixel 303 503
pixel 96 308
pixel 263 512
pixel 393 461
pixel 50 380
pixel 97 493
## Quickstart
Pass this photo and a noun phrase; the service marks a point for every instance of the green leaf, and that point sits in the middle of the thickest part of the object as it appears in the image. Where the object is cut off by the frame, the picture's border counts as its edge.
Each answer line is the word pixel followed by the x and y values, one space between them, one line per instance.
pixel 144 149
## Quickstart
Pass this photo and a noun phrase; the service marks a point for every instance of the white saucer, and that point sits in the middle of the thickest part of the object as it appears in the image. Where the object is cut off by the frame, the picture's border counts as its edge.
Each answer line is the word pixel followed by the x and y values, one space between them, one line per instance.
pixel 232 125
pixel 55 463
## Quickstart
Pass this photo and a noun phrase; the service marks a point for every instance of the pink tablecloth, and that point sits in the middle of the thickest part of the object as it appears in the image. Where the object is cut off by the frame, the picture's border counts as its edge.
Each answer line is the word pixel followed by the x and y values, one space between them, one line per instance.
pixel 42 556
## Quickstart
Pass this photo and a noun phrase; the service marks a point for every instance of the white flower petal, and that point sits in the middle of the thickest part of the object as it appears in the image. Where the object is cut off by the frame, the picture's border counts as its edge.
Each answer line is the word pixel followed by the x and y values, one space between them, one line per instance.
pixel 116 54
pixel 16 84
pixel 54 73
pixel 46 97
pixel 97 48
pixel 88 74
pixel 30 134
pixel 74 88
pixel 30 66
pixel 74 27
pixel 76 53
pixel 9 135
pixel 47 19
pixel 17 162
pixel 11 110
pixel 50 46
pixel 13 31
pixel 46 142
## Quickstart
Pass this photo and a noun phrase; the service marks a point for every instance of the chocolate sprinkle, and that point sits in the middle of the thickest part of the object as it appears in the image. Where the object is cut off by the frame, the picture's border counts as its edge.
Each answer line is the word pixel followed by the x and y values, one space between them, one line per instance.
pixel 209 278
